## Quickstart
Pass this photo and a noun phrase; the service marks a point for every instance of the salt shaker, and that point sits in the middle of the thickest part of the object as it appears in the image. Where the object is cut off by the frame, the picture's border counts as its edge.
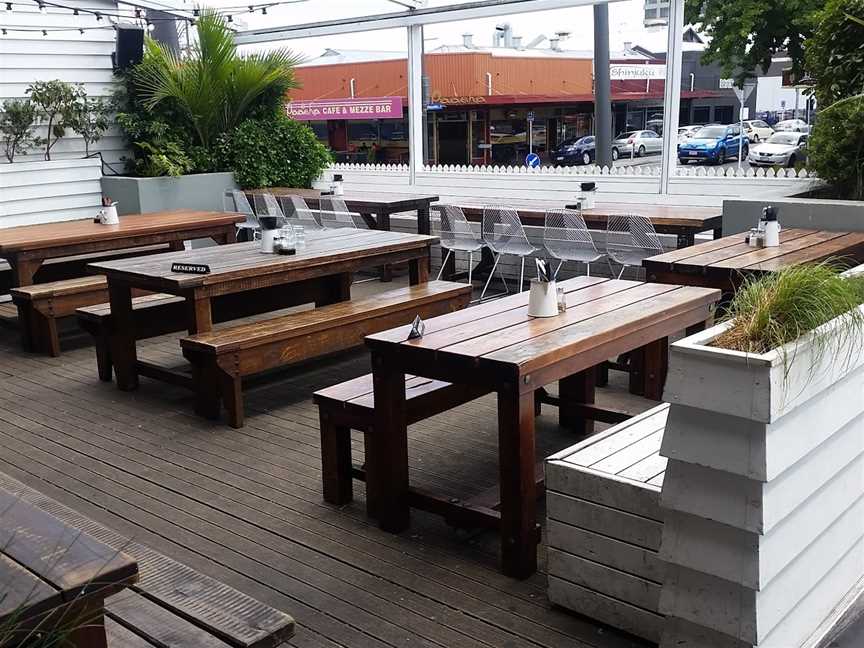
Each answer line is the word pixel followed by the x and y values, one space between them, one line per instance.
pixel 562 298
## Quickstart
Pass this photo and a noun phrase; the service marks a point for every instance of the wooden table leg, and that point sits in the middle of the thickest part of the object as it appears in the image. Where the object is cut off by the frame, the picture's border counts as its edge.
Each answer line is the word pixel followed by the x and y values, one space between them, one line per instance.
pixel 122 336
pixel 387 455
pixel 518 488
pixel 176 246
pixel 655 363
pixel 334 289
pixel 199 317
pixel 418 270
pixel 90 633
pixel 572 391
pixel 686 239
pixel 24 270
pixel 424 226
pixel 718 232
pixel 383 223
pixel 227 237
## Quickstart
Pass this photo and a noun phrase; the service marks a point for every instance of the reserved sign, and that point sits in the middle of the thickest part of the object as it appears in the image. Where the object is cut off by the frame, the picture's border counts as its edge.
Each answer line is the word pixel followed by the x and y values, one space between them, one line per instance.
pixel 190 268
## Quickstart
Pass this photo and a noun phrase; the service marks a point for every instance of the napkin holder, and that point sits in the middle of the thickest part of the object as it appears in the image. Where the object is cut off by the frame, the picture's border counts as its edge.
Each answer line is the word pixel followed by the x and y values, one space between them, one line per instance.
pixel 543 299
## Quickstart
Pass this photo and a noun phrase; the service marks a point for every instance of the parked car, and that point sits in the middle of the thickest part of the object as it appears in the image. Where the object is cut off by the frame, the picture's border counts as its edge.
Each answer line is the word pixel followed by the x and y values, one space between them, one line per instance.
pixel 579 150
pixel 792 125
pixel 781 149
pixel 636 143
pixel 686 132
pixel 713 144
pixel 757 130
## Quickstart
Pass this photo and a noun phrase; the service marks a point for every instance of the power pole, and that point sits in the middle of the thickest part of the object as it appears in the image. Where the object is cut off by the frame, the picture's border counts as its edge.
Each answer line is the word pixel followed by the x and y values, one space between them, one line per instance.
pixel 602 87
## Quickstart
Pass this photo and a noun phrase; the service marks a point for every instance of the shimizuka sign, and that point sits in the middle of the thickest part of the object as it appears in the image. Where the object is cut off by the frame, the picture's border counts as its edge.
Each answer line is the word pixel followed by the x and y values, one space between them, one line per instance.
pixel 630 72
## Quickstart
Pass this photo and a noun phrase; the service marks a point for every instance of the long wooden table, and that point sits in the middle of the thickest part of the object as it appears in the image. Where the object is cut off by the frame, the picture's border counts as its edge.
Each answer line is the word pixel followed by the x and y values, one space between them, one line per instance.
pixel 497 346
pixel 321 273
pixel 54 577
pixel 724 263
pixel 27 247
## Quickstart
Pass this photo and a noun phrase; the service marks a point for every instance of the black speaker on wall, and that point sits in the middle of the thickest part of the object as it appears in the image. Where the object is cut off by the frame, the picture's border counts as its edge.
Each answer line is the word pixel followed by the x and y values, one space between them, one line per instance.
pixel 129 49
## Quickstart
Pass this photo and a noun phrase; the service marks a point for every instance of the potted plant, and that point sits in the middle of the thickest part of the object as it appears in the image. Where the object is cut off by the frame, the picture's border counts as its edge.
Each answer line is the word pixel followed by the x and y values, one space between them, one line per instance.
pixel 763 494
pixel 201 124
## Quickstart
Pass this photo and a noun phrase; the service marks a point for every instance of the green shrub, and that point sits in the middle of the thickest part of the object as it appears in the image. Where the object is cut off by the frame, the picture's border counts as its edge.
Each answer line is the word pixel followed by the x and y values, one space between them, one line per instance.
pixel 16 127
pixel 274 152
pixel 836 148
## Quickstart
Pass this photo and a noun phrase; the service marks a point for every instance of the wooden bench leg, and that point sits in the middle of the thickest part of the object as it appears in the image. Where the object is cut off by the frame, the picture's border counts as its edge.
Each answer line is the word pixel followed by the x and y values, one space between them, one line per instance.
pixel 577 389
pixel 654 368
pixel 232 397
pixel 91 634
pixel 602 377
pixel 103 356
pixel 26 326
pixel 207 388
pixel 44 335
pixel 336 461
pixel 387 452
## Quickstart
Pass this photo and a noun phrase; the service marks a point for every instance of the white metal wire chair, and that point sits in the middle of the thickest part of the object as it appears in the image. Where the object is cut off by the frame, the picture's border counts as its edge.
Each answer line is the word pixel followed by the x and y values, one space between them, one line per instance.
pixel 334 213
pixel 298 212
pixel 566 238
pixel 267 205
pixel 234 200
pixel 630 238
pixel 457 236
pixel 504 234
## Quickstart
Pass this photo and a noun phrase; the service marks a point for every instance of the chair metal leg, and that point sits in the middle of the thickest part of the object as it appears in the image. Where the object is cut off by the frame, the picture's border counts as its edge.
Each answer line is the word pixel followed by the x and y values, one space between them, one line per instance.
pixel 587 269
pixel 558 269
pixel 620 274
pixel 491 274
pixel 522 276
pixel 444 263
pixel 470 266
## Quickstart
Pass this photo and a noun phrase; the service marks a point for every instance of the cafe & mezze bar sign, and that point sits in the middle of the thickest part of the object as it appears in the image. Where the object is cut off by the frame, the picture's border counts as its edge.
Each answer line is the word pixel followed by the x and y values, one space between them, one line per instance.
pixel 367 108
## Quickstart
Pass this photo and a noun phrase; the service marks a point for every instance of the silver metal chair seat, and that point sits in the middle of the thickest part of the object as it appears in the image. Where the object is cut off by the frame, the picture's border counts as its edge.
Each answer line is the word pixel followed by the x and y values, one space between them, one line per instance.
pixel 504 234
pixel 297 211
pixel 566 238
pixel 630 239
pixel 456 235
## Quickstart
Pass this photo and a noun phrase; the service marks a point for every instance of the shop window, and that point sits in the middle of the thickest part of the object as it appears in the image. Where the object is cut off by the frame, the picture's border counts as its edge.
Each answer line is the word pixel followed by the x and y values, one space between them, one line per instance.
pixel 702 115
pixel 723 114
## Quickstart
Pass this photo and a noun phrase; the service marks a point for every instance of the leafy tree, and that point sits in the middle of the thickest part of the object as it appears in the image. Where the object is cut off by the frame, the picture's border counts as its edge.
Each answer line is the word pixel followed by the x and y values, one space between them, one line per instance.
pixel 835 58
pixel 746 34
pixel 55 102
pixel 16 126
pixel 215 87
pixel 90 120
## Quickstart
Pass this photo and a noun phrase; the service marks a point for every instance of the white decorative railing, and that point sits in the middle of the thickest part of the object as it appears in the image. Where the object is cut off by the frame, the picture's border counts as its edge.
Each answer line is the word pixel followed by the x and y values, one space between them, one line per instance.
pixel 649 171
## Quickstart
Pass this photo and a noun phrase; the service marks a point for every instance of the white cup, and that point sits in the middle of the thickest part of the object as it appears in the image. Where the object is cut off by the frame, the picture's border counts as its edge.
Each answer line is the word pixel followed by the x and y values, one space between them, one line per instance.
pixel 268 237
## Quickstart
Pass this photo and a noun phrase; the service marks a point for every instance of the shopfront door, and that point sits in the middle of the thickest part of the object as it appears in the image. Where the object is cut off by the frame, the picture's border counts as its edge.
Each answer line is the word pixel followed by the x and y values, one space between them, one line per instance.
pixel 452 142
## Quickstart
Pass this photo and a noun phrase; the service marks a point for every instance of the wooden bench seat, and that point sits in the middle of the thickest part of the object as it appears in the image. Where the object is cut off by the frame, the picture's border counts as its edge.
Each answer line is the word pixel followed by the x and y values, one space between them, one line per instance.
pixel 155 315
pixel 172 604
pixel 351 405
pixel 222 358
pixel 604 525
pixel 41 305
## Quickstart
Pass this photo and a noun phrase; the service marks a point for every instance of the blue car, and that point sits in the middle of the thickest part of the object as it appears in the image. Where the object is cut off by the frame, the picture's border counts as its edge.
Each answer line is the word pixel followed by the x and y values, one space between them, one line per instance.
pixel 579 150
pixel 713 144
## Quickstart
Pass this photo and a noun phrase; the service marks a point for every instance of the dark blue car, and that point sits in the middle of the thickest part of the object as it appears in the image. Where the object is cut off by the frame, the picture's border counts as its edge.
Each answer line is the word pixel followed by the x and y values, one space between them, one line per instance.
pixel 579 150
pixel 713 144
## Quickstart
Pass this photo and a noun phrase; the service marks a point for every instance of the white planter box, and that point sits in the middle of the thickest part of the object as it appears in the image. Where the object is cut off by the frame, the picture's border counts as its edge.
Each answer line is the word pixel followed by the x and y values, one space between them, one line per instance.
pixel 763 495
pixel 203 191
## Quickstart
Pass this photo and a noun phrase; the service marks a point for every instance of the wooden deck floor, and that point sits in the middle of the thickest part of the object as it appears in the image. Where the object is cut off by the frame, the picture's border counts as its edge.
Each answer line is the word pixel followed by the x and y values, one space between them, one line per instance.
pixel 245 506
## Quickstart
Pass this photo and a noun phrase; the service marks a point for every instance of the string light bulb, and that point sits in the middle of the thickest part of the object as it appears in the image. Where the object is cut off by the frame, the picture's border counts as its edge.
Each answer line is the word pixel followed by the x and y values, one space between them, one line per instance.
pixel 44 32
pixel 42 9
pixel 8 6
pixel 80 31
pixel 137 12
pixel 74 12
pixel 264 11
pixel 230 18
pixel 150 26
pixel 196 12
pixel 3 32
pixel 98 17
pixel 192 22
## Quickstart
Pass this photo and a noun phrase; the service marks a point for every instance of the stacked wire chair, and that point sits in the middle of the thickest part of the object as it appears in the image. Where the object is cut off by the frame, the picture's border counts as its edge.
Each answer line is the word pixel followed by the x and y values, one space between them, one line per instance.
pixel 334 213
pixel 457 236
pixel 504 234
pixel 566 238
pixel 234 200
pixel 297 212
pixel 630 238
pixel 267 205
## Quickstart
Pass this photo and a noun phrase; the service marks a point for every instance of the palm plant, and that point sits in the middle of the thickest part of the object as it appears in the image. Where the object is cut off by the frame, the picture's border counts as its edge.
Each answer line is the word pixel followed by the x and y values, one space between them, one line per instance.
pixel 215 86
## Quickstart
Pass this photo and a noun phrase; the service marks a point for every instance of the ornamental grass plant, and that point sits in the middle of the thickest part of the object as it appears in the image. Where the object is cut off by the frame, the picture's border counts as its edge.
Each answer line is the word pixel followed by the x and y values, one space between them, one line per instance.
pixel 780 308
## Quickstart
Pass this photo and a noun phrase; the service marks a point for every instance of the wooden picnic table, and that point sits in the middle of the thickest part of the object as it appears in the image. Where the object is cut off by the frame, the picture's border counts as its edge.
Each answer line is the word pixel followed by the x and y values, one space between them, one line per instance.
pixel 724 263
pixel 240 273
pixel 55 577
pixel 497 346
pixel 28 246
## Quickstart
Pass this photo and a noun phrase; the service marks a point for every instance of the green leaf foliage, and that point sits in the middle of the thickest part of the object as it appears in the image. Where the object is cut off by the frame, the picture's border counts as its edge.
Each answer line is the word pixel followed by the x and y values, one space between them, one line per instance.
pixel 16 127
pixel 745 34
pixel 89 118
pixel 56 105
pixel 274 151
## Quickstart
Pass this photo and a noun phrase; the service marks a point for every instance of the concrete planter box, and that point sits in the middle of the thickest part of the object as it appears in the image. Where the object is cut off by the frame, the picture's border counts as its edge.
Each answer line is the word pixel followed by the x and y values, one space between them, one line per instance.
pixel 141 195
pixel 739 215
pixel 763 495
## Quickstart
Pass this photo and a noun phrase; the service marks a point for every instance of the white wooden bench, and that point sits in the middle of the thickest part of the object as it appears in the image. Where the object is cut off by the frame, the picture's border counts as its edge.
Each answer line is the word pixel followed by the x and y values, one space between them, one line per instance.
pixel 604 525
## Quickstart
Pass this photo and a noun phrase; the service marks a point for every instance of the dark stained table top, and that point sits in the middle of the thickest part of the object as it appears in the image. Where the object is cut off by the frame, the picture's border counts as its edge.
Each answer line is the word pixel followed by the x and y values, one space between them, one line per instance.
pixel 730 255
pixel 245 260
pixel 35 237
pixel 362 201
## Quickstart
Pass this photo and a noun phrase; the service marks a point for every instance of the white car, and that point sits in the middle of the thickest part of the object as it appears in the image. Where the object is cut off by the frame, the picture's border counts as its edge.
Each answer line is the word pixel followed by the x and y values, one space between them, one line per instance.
pixel 757 130
pixel 686 132
pixel 792 125
pixel 636 143
pixel 781 149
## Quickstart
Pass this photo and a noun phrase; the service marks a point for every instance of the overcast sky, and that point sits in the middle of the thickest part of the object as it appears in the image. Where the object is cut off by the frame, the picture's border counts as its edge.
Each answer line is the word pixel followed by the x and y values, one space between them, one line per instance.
pixel 625 19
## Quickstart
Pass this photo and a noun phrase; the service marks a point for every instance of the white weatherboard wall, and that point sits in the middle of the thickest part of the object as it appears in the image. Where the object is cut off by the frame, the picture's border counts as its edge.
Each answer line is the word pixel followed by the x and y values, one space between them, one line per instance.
pixel 45 192
pixel 763 494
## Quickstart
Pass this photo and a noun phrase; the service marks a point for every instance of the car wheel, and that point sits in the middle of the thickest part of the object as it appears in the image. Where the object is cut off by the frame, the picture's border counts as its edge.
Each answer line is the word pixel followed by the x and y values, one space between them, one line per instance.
pixel 721 156
pixel 791 163
pixel 586 158
pixel 641 151
pixel 745 153
pixel 614 153
pixel 755 138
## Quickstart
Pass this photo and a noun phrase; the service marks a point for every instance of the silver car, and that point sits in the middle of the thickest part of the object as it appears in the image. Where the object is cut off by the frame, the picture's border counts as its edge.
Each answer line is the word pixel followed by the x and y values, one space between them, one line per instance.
pixel 792 125
pixel 781 149
pixel 636 143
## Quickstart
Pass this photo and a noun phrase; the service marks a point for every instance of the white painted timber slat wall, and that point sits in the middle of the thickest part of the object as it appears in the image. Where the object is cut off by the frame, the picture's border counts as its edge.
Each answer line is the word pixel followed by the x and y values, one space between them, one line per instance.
pixel 66 55
pixel 45 192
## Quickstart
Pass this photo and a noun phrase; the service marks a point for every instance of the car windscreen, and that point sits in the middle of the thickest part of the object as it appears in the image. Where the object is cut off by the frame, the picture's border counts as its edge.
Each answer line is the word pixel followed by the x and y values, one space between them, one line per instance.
pixel 783 138
pixel 710 132
pixel 626 135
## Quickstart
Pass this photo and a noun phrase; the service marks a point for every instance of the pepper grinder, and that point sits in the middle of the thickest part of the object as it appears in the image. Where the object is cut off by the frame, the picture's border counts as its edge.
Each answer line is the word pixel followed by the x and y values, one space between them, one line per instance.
pixel 772 226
